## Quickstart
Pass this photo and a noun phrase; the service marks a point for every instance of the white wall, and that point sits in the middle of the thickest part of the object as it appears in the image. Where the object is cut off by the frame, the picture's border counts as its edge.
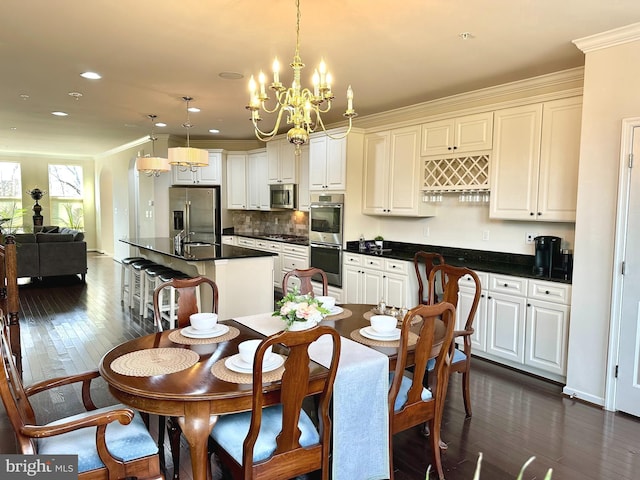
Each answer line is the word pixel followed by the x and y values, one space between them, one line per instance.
pixel 611 93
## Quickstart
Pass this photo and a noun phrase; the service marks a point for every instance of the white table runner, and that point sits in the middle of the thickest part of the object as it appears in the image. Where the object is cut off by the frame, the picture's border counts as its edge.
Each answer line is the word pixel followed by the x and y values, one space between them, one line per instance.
pixel 360 415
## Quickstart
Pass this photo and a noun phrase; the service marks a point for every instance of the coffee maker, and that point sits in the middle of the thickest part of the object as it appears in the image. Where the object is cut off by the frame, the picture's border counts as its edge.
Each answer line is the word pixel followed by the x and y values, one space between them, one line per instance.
pixel 547 256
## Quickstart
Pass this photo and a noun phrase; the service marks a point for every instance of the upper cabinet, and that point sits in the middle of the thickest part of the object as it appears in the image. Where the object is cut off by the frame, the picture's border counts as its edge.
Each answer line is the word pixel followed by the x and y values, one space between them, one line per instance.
pixel 327 163
pixel 304 200
pixel 534 168
pixel 205 176
pixel 391 178
pixel 237 180
pixel 470 133
pixel 257 185
pixel 282 162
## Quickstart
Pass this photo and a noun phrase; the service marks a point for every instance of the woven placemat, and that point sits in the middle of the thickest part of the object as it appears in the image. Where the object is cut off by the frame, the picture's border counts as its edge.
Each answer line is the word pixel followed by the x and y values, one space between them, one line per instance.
pixel 355 335
pixel 220 370
pixel 177 337
pixel 154 361
pixel 346 313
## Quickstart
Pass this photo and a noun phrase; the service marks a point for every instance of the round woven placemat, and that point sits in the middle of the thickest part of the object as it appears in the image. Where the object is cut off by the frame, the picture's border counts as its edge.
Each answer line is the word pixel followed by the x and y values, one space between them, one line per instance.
pixel 220 370
pixel 177 337
pixel 154 361
pixel 346 313
pixel 355 335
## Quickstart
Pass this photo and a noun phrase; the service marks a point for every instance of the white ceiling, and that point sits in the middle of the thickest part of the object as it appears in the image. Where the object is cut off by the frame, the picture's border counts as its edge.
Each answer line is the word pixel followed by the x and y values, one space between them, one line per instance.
pixel 153 52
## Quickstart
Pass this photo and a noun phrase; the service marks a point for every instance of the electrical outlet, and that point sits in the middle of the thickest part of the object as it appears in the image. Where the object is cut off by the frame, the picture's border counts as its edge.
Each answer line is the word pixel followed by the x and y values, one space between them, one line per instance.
pixel 485 235
pixel 426 232
pixel 529 237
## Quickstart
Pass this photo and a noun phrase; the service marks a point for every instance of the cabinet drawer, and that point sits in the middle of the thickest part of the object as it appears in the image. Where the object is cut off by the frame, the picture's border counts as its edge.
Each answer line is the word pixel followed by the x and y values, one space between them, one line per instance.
pixel 293 262
pixel 228 240
pixel 262 244
pixel 295 249
pixel 373 262
pixel 396 266
pixel 352 259
pixel 274 247
pixel 507 284
pixel 246 242
pixel 467 281
pixel 549 291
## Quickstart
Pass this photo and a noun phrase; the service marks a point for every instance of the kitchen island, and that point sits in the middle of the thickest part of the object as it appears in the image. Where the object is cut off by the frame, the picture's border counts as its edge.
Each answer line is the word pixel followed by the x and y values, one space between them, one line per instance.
pixel 244 276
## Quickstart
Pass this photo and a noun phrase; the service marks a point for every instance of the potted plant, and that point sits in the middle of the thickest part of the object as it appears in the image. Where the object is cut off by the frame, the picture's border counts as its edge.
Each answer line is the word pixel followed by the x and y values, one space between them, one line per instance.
pixel 299 311
pixel 379 241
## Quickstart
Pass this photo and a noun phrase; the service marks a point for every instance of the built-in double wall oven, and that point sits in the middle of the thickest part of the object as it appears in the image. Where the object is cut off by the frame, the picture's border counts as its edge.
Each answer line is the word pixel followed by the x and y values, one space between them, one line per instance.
pixel 325 235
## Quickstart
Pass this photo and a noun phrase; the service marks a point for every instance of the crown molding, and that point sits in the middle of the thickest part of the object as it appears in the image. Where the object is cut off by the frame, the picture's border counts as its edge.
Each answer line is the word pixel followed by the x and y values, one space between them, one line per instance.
pixel 611 38
pixel 122 148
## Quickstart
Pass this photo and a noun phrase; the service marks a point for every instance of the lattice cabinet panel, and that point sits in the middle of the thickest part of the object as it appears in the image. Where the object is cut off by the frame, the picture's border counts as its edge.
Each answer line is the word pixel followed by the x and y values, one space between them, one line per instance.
pixel 456 174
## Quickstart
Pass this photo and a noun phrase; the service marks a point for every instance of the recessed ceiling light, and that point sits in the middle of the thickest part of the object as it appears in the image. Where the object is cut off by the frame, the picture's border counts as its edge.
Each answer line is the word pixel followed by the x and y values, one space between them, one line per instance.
pixel 59 114
pixel 231 75
pixel 91 75
pixel 466 35
pixel 75 95
pixel 24 96
pixel 193 109
pixel 160 124
pixel 214 130
pixel 13 128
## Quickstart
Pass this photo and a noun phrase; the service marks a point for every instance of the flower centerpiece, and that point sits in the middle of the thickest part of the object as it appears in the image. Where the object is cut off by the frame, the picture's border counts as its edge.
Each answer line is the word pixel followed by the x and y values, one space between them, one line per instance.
pixel 300 311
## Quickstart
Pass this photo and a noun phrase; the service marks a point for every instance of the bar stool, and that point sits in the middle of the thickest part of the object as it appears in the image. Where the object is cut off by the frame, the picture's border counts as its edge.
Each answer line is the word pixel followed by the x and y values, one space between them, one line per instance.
pixel 150 282
pixel 137 279
pixel 169 308
pixel 125 267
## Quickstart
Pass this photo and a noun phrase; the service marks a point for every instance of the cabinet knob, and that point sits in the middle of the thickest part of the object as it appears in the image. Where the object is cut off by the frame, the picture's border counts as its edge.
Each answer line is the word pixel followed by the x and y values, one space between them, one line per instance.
pixel 546 292
pixel 506 284
pixel 455 148
pixel 528 304
pixel 449 148
pixel 531 213
pixel 393 266
pixel 539 213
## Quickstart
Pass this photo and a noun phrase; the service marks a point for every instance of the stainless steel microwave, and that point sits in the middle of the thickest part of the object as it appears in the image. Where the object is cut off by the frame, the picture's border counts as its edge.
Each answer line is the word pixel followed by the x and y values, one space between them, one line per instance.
pixel 283 196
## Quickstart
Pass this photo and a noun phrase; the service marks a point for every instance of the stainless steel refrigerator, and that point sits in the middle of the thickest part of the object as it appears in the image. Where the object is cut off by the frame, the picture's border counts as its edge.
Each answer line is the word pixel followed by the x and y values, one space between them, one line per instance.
pixel 195 210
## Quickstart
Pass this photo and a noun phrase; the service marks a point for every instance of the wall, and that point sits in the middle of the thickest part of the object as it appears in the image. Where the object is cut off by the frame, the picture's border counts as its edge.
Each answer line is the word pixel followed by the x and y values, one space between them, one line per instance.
pixel 610 95
pixel 35 173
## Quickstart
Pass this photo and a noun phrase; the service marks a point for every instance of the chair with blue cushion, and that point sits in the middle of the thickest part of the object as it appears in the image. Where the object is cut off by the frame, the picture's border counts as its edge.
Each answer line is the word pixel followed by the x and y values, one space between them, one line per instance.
pixel 410 402
pixel 111 442
pixel 280 441
pixel 461 361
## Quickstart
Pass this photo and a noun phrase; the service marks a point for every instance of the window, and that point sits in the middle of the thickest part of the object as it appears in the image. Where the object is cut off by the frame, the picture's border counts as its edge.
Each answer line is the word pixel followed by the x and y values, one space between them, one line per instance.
pixel 65 195
pixel 11 211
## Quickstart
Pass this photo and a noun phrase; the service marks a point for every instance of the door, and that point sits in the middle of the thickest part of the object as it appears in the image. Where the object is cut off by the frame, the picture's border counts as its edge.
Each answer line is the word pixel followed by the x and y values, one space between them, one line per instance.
pixel 628 384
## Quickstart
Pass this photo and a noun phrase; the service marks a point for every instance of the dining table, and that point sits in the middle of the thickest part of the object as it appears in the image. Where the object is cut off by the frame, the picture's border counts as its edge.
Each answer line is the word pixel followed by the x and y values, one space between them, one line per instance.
pixel 179 374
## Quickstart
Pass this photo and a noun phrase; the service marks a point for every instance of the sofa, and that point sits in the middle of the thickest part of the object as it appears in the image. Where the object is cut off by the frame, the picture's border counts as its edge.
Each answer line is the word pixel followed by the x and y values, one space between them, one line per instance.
pixel 51 251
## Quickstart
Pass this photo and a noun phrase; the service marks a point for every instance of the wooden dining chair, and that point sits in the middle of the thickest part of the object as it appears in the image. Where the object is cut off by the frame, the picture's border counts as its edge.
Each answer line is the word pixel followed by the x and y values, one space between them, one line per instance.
pixel 423 263
pixel 111 442
pixel 187 301
pixel 9 297
pixel 305 277
pixel 461 361
pixel 410 402
pixel 280 441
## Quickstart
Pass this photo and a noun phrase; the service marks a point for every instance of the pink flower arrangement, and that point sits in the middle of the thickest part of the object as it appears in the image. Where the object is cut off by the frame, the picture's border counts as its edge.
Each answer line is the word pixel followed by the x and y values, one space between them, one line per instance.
pixel 295 307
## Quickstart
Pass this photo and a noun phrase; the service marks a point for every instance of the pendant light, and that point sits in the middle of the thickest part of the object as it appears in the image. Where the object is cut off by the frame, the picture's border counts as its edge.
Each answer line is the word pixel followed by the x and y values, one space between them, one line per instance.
pixel 151 165
pixel 188 158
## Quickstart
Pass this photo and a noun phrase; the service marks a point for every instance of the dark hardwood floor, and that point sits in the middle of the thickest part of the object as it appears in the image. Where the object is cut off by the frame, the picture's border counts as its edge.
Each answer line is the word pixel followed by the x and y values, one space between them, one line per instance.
pixel 67 326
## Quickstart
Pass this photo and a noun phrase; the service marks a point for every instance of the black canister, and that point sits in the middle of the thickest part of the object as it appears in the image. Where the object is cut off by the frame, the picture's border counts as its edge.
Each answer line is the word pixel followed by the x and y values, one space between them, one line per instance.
pixel 547 254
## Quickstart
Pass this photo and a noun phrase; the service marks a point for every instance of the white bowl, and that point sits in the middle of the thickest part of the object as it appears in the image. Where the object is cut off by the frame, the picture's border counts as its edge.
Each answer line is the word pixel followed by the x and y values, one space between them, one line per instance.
pixel 203 321
pixel 247 350
pixel 326 301
pixel 383 323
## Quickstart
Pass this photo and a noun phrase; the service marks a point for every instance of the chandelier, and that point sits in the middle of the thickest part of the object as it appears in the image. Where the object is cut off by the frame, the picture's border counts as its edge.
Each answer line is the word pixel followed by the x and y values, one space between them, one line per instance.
pixel 302 106
pixel 188 157
pixel 151 165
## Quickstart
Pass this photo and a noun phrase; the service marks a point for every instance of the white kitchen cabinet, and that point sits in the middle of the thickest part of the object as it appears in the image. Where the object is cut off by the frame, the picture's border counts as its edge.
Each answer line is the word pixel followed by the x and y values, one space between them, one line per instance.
pixel 452 136
pixel 205 176
pixel 282 162
pixel 327 163
pixel 392 174
pixel 466 295
pixel 547 326
pixel 276 248
pixel 257 184
pixel 237 181
pixel 294 257
pixel 304 201
pixel 534 169
pixel 246 242
pixel 369 279
pixel 505 326
pixel 228 239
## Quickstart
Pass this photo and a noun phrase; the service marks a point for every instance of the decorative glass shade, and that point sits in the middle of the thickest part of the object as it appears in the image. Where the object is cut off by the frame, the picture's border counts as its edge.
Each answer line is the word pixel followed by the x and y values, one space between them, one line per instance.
pixel 152 165
pixel 188 157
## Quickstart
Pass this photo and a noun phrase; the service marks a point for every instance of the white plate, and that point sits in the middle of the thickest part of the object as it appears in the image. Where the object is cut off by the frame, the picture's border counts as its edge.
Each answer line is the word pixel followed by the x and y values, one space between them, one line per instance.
pixel 191 332
pixel 336 310
pixel 236 364
pixel 370 333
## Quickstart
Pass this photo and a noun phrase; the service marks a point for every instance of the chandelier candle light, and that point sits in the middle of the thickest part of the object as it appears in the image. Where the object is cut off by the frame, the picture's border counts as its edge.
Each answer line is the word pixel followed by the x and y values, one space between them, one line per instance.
pixel 303 106
pixel 188 157
pixel 151 165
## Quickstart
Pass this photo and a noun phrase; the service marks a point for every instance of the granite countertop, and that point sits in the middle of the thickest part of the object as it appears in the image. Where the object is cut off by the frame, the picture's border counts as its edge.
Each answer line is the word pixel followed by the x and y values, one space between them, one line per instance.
pixel 514 264
pixel 195 252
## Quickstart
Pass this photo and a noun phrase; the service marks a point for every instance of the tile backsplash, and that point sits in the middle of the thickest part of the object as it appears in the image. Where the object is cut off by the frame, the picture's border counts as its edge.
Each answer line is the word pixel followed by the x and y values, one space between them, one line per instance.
pixel 288 222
